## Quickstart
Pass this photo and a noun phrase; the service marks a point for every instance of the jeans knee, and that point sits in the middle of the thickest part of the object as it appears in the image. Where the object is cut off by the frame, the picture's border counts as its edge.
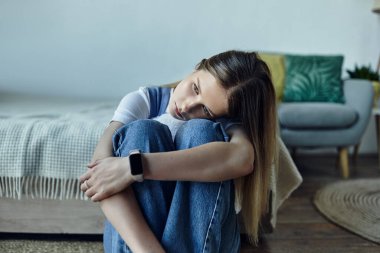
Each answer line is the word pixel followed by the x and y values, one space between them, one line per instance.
pixel 196 132
pixel 141 134
pixel 199 123
pixel 140 127
pixel 147 125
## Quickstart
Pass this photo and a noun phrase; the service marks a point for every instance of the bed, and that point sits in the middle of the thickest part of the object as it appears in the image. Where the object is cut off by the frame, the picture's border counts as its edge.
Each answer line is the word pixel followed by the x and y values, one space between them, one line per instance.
pixel 45 145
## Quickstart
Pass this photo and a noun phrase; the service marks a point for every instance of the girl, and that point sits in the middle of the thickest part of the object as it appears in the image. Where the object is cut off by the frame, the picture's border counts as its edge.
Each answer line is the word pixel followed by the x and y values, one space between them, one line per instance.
pixel 218 124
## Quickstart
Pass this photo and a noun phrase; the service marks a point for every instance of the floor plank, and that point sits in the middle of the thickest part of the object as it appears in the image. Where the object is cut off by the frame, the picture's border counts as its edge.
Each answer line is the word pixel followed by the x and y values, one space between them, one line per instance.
pixel 50 216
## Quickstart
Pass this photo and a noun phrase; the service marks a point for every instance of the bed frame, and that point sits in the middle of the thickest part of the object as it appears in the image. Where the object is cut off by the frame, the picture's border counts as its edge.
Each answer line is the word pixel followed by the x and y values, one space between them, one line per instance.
pixel 50 216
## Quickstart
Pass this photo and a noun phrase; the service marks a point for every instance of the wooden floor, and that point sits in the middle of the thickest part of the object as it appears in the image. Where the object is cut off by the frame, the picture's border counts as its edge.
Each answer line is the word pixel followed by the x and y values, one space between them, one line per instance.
pixel 301 228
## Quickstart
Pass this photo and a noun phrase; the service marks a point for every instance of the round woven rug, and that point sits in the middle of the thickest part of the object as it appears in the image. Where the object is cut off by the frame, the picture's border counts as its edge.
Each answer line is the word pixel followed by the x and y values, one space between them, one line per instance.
pixel 354 205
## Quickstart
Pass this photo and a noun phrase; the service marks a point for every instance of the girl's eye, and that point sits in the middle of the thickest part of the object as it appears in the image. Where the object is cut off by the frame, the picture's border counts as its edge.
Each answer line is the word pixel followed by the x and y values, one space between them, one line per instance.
pixel 195 88
pixel 206 112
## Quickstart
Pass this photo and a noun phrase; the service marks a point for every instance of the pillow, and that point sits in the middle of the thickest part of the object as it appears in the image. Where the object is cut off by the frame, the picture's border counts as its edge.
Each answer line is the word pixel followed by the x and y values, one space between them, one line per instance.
pixel 313 79
pixel 276 66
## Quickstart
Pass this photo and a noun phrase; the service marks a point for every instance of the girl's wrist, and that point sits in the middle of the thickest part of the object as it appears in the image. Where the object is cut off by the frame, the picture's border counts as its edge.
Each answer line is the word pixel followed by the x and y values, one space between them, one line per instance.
pixel 124 164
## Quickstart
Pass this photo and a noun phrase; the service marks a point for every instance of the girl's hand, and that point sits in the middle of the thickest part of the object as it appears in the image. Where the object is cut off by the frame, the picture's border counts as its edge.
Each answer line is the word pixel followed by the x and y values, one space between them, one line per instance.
pixel 105 177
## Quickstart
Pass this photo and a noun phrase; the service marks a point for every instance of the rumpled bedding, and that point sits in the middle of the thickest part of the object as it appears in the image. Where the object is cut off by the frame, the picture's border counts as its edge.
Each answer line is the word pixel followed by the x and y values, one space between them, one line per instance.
pixel 44 153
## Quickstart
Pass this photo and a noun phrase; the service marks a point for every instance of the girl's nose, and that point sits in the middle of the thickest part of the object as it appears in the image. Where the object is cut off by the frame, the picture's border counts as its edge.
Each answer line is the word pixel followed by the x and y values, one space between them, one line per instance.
pixel 190 109
pixel 188 106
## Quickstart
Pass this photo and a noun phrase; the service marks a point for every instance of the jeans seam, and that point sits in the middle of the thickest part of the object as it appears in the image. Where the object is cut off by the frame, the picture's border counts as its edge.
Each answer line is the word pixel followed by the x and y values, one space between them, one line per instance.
pixel 114 242
pixel 212 218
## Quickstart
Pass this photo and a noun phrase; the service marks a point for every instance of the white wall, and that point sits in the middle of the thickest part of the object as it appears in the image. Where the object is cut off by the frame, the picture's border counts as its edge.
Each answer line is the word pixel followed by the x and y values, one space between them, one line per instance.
pixel 96 48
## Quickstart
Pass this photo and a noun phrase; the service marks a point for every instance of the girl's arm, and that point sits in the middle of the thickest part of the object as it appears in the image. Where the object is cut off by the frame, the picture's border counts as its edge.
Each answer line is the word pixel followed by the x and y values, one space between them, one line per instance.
pixel 104 147
pixel 214 161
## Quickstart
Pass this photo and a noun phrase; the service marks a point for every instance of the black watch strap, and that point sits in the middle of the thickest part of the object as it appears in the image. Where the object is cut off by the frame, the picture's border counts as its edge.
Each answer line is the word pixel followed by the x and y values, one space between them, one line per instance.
pixel 135 164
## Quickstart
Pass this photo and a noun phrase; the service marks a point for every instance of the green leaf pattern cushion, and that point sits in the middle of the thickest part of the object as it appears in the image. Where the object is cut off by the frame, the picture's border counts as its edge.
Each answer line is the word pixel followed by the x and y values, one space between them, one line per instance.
pixel 313 79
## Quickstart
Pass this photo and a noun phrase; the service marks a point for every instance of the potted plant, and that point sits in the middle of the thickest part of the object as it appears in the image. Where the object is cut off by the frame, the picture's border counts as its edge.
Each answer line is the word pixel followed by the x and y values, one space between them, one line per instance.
pixel 366 72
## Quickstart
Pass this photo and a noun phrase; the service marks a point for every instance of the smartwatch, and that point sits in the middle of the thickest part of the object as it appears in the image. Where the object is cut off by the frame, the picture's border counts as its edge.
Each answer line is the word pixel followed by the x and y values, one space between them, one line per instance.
pixel 135 165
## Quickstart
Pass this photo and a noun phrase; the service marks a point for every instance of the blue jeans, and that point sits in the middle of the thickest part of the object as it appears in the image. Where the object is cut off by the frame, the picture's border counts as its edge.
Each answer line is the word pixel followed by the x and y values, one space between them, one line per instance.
pixel 184 216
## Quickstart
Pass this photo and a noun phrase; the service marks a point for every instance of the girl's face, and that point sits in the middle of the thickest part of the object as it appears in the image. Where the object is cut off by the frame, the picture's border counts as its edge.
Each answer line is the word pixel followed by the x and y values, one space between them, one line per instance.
pixel 198 96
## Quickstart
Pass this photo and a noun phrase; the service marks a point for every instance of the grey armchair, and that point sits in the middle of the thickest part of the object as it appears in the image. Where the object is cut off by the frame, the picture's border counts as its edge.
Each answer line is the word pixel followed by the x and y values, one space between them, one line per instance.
pixel 313 125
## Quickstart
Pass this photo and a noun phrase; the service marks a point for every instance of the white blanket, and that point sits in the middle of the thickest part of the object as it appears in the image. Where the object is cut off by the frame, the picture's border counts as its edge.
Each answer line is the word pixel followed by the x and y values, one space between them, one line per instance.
pixel 43 153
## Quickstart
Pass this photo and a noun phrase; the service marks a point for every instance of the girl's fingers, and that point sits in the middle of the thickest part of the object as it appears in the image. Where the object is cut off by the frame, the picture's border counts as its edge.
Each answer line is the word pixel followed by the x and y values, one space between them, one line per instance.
pixel 85 176
pixel 90 192
pixel 97 197
pixel 92 164
pixel 83 187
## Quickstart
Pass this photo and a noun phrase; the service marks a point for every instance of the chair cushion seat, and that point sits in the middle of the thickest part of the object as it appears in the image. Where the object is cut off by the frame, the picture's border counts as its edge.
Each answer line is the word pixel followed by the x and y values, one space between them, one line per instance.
pixel 316 115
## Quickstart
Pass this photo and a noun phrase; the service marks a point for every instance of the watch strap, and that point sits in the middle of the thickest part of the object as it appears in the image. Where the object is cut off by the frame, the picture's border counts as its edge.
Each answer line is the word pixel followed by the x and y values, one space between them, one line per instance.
pixel 135 164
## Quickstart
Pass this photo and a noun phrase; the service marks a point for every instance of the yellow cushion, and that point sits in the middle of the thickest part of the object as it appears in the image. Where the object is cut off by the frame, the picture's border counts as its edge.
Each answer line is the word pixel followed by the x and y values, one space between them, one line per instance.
pixel 276 65
pixel 376 88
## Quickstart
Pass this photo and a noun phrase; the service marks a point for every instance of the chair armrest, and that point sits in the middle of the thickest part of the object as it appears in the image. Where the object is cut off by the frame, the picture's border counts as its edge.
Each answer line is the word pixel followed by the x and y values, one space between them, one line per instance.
pixel 359 94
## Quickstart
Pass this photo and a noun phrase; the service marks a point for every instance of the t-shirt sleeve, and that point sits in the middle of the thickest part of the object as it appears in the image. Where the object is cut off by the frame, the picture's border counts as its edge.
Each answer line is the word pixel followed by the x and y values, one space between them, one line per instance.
pixel 133 106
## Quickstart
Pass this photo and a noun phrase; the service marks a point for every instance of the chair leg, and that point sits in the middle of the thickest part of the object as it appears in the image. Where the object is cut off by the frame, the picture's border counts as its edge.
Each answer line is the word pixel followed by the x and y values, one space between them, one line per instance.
pixel 343 162
pixel 356 153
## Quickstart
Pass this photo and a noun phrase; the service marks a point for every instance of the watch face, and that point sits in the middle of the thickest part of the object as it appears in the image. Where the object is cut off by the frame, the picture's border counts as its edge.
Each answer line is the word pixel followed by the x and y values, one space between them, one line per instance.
pixel 135 164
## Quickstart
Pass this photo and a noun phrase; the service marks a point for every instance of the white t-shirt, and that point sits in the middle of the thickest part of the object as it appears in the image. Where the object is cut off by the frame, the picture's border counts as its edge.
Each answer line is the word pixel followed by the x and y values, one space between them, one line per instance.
pixel 136 105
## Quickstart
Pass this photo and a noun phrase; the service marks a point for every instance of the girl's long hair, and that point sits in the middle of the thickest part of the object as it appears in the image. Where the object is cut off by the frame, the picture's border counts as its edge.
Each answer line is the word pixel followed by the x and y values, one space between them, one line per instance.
pixel 252 100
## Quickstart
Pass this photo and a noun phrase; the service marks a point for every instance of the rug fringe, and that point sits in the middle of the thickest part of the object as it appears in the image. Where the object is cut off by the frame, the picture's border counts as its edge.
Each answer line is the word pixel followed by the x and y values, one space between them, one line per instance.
pixel 36 187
